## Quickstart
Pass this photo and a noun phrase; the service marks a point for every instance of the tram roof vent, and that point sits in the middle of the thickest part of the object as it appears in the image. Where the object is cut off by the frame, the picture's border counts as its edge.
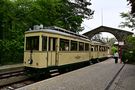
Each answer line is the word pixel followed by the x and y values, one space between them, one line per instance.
pixel 37 27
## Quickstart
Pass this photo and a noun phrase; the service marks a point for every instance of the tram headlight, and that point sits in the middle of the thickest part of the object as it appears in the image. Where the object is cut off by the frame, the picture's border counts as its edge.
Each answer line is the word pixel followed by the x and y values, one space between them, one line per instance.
pixel 30 61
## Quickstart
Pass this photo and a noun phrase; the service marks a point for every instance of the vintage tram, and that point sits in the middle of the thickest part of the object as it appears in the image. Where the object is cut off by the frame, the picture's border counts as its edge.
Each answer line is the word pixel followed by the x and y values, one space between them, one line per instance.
pixel 56 47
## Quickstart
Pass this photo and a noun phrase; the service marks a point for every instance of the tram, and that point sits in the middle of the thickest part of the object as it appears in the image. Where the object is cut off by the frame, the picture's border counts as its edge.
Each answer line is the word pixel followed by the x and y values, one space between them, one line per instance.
pixel 56 47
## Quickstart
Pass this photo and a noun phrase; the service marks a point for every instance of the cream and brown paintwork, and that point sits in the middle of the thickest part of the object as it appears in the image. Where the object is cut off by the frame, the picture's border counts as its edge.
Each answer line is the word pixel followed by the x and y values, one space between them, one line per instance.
pixel 44 59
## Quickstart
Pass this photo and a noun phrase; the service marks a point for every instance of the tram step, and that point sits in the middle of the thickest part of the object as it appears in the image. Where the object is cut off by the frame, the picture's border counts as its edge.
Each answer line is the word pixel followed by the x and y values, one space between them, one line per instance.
pixel 55 74
pixel 53 70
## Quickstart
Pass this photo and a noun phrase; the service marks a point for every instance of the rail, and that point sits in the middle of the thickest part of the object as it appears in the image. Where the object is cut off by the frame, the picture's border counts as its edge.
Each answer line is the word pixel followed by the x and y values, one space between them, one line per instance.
pixel 11 74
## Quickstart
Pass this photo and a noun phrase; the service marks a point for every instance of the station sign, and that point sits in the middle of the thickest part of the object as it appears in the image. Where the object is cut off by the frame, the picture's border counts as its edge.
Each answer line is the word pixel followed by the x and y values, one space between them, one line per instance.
pixel 121 43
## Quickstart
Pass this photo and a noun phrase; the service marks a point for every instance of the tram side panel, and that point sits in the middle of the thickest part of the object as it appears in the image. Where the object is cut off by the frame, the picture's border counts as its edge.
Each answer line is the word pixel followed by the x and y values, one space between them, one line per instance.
pixel 72 51
pixel 72 57
pixel 94 55
pixel 36 60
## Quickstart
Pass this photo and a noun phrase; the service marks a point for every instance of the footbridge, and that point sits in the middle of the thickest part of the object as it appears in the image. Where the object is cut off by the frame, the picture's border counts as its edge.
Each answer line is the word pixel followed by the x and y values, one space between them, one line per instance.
pixel 118 33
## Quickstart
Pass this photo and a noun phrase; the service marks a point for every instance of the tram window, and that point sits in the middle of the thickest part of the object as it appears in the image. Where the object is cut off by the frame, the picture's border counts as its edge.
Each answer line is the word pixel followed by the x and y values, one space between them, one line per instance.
pixel 64 45
pixel 100 49
pixel 32 43
pixel 92 49
pixel 49 46
pixel 97 47
pixel 103 48
pixel 54 44
pixel 86 47
pixel 73 46
pixel 81 46
pixel 44 43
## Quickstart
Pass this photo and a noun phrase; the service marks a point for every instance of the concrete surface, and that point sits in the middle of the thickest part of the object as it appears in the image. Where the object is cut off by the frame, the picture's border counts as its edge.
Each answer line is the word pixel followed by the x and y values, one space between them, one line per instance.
pixel 10 68
pixel 94 77
pixel 126 79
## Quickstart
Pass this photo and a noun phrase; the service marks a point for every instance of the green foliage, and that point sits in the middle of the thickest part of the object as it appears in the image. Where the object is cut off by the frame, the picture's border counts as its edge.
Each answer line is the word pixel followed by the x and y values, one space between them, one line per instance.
pixel 132 3
pixel 129 50
pixel 114 49
pixel 129 20
pixel 12 52
pixel 17 16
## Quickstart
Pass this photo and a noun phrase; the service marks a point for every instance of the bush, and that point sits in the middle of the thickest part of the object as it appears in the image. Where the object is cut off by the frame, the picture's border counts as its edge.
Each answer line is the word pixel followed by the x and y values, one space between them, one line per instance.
pixel 11 52
pixel 128 52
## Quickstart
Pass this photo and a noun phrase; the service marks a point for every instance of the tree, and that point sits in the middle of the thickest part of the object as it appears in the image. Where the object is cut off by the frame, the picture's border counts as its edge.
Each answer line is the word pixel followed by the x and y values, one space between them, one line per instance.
pixel 132 3
pixel 79 10
pixel 111 41
pixel 129 20
pixel 1 18
pixel 129 49
pixel 17 16
pixel 68 14
pixel 129 16
pixel 11 43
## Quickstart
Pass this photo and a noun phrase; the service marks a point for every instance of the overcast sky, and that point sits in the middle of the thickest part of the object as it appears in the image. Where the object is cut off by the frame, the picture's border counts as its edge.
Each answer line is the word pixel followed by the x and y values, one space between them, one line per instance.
pixel 110 10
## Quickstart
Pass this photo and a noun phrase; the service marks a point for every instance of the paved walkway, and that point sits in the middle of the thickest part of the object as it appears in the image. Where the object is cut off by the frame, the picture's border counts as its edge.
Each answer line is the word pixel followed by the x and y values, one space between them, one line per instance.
pixel 94 77
pixel 126 79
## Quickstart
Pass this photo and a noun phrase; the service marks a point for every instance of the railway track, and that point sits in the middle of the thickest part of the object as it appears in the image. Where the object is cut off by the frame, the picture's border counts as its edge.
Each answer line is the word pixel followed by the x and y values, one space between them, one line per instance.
pixel 16 79
pixel 7 78
pixel 11 74
pixel 22 82
pixel 16 85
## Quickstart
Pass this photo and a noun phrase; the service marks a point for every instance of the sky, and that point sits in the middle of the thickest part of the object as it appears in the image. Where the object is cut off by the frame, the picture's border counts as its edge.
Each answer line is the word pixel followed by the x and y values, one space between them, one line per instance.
pixel 108 12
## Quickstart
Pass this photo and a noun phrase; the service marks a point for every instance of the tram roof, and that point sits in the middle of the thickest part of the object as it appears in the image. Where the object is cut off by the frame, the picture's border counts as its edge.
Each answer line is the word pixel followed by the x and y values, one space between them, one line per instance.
pixel 60 31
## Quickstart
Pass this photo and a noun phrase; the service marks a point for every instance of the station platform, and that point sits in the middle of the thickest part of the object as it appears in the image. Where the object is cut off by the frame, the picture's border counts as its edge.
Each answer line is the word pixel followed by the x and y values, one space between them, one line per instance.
pixel 125 79
pixel 100 76
pixel 5 68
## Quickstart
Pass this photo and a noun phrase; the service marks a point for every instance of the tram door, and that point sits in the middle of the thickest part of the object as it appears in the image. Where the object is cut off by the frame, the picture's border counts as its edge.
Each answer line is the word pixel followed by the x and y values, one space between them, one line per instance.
pixel 52 43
